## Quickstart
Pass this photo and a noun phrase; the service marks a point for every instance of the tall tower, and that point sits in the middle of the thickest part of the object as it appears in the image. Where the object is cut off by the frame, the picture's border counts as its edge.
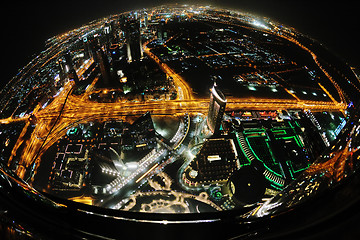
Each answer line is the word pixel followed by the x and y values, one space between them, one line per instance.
pixel 68 62
pixel 216 109
pixel 133 41
pixel 61 67
pixel 161 33
pixel 146 20
pixel 69 68
pixel 104 67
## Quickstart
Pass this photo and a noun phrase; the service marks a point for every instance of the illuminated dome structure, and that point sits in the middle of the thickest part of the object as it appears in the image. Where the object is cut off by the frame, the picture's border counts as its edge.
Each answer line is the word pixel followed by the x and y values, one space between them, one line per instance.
pixel 113 128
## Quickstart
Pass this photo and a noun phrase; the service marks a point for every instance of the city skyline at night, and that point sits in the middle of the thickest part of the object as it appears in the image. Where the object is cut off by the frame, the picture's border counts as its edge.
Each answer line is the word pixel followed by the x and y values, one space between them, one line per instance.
pixel 47 21
pixel 126 104
pixel 180 111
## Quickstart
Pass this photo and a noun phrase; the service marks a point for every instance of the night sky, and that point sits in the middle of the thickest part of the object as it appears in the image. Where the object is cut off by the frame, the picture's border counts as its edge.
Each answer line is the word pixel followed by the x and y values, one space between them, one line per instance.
pixel 333 23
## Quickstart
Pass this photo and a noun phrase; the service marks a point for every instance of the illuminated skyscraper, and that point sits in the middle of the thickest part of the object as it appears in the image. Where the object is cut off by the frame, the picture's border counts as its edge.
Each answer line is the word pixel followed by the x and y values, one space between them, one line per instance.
pixel 216 109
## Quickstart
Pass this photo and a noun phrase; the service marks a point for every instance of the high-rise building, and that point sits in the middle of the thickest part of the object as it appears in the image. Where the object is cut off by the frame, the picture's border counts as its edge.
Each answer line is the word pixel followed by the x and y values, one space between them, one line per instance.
pixel 104 67
pixel 216 109
pixel 109 35
pixel 68 62
pixel 161 33
pixel 146 20
pixel 133 41
pixel 86 45
pixel 118 61
pixel 62 68
pixel 115 53
pixel 68 67
pixel 73 76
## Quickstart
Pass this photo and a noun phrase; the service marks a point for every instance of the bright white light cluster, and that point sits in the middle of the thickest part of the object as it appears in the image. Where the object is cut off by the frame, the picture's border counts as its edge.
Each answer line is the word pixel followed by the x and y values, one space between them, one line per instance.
pixel 120 182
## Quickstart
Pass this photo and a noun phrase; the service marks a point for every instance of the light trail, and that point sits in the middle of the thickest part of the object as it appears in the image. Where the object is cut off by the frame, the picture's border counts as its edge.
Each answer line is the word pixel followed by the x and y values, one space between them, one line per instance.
pixel 80 109
pixel 179 82
pixel 315 58
pixel 186 133
pixel 293 40
pixel 146 173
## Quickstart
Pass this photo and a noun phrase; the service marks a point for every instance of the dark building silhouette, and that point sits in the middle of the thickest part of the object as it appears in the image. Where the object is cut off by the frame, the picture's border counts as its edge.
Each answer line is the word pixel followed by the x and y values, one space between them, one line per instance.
pixel 68 62
pixel 67 68
pixel 133 41
pixel 86 45
pixel 115 55
pixel 161 33
pixel 73 76
pixel 216 109
pixel 104 65
pixel 146 20
pixel 114 52
pixel 61 66
pixel 109 35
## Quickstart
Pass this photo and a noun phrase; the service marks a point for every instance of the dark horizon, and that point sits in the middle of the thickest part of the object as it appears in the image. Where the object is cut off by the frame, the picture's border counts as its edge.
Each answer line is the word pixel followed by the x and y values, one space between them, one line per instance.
pixel 32 23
